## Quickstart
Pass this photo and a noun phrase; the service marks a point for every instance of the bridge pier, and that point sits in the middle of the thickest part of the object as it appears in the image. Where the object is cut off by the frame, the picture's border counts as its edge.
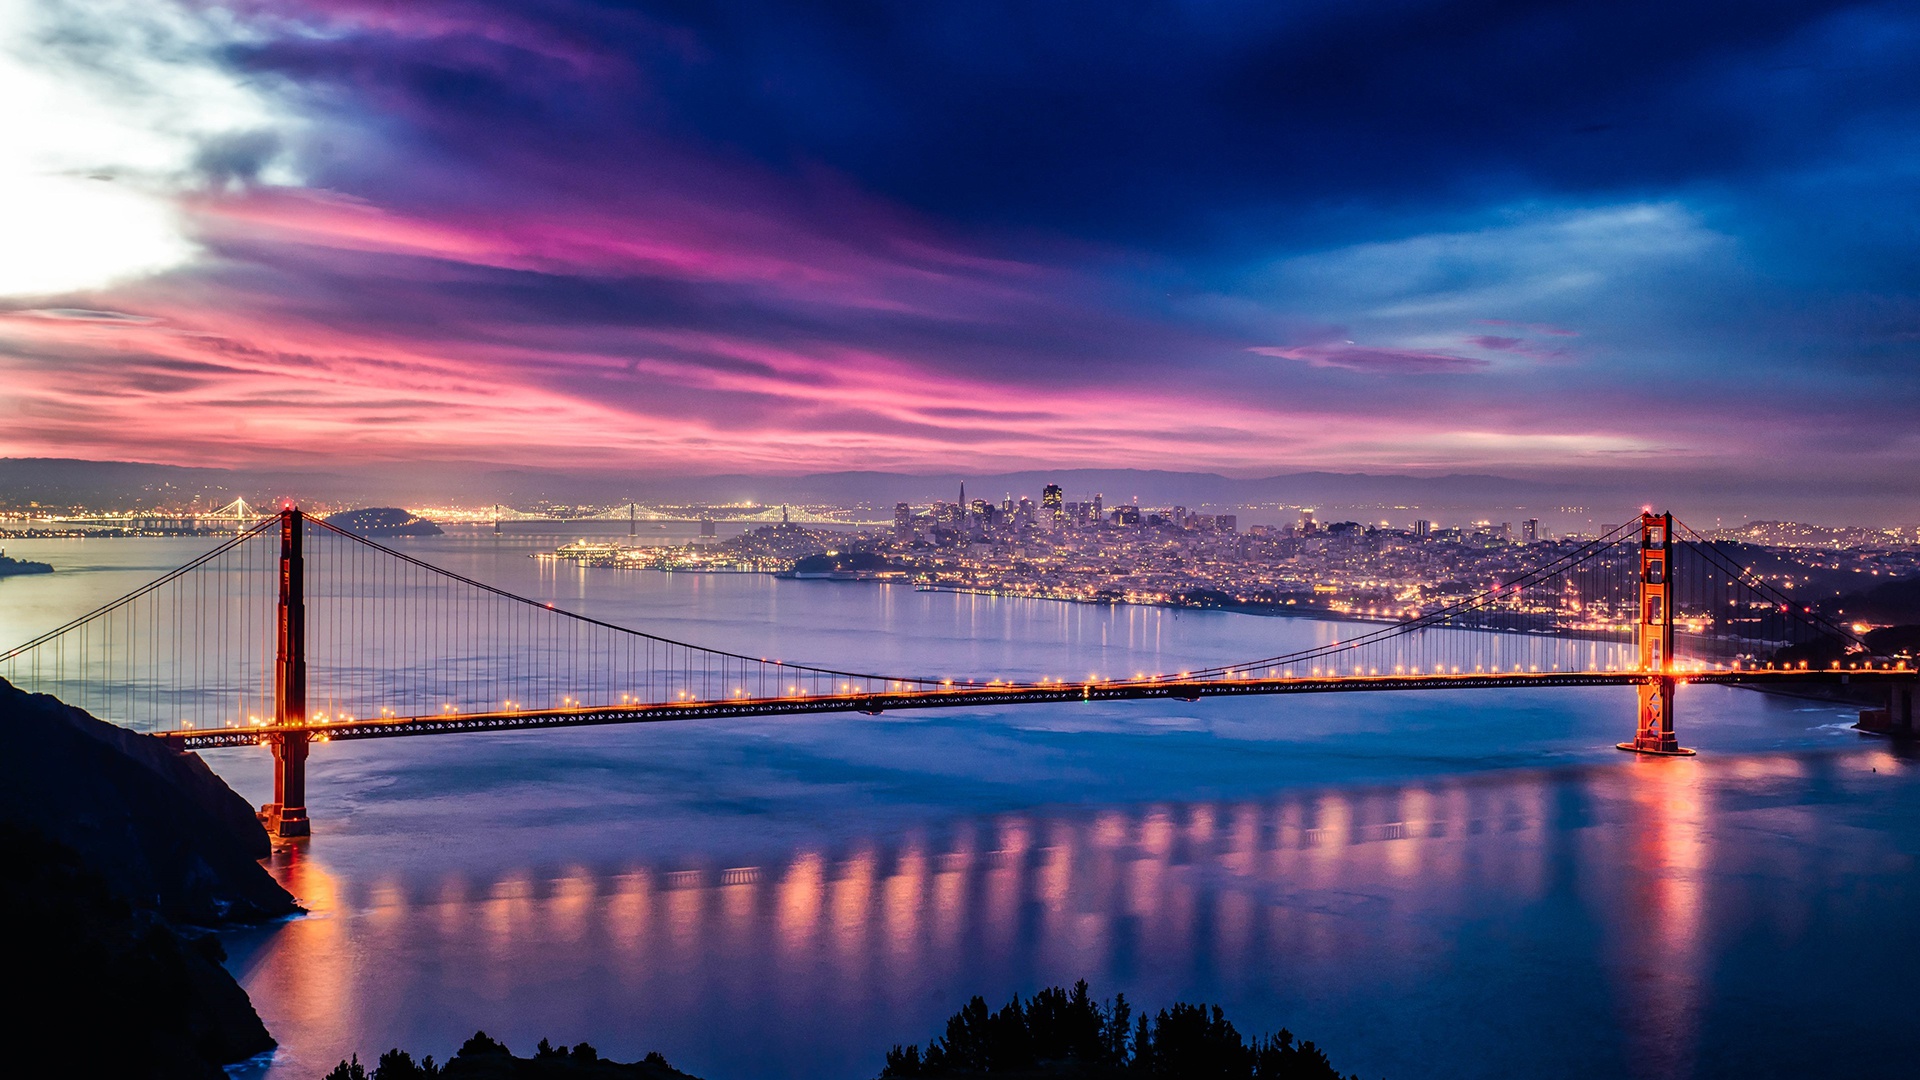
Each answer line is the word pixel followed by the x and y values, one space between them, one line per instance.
pixel 1900 708
pixel 1896 719
pixel 1654 733
pixel 286 815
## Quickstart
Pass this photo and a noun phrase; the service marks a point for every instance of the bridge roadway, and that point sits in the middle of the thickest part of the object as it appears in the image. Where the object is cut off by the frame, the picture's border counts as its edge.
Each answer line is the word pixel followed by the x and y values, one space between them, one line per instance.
pixel 965 696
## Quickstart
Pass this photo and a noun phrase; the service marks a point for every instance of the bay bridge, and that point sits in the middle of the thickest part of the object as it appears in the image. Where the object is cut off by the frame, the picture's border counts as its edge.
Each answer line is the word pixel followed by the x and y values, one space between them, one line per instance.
pixel 295 632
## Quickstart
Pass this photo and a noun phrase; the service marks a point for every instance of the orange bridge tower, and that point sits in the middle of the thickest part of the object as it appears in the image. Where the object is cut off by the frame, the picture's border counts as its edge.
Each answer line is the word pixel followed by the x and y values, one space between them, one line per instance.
pixel 286 815
pixel 1654 732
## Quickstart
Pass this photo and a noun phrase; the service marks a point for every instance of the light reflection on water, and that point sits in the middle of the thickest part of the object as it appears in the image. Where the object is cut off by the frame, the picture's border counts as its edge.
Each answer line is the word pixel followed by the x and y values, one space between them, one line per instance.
pixel 1558 921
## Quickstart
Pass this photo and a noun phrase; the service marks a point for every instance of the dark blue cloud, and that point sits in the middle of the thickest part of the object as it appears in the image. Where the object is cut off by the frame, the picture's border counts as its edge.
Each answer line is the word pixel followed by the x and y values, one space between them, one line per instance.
pixel 1158 123
pixel 1166 122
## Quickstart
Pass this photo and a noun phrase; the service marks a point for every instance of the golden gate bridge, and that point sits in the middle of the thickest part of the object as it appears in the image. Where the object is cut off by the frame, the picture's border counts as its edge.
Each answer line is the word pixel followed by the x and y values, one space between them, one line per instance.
pixel 327 635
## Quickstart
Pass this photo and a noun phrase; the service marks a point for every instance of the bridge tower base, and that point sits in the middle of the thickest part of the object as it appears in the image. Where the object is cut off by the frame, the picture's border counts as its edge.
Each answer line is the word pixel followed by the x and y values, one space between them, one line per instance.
pixel 1900 708
pixel 1654 732
pixel 286 815
pixel 1896 719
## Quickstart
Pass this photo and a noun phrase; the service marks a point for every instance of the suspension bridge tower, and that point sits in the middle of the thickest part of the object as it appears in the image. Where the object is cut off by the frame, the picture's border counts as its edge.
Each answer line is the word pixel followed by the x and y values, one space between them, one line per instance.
pixel 286 815
pixel 1654 732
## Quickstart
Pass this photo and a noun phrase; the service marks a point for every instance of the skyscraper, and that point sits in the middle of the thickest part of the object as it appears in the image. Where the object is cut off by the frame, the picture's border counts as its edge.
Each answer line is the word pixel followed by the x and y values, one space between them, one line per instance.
pixel 1530 530
pixel 1053 505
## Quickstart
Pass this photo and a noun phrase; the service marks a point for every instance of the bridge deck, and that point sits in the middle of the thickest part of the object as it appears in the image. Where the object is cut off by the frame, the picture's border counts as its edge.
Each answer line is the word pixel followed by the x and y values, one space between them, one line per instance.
pixel 952 697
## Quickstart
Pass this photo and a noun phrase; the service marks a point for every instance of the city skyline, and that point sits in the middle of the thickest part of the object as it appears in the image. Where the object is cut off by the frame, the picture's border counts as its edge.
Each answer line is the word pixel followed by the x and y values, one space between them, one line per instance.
pixel 339 236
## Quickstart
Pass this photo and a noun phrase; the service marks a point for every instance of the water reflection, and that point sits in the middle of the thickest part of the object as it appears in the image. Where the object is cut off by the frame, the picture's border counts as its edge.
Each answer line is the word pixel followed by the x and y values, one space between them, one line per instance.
pixel 813 962
pixel 1660 936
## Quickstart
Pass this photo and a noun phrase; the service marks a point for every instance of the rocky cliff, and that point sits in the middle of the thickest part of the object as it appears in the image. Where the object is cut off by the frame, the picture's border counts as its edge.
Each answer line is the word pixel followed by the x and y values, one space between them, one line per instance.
pixel 110 843
pixel 156 823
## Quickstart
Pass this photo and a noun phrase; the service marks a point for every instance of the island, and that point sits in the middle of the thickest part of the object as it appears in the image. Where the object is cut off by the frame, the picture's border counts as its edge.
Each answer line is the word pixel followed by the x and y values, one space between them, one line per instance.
pixel 10 567
pixel 383 521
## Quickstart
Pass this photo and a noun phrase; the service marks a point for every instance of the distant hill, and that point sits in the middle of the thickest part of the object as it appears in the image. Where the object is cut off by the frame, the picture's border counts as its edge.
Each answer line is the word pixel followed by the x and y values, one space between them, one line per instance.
pixel 1895 602
pixel 1703 500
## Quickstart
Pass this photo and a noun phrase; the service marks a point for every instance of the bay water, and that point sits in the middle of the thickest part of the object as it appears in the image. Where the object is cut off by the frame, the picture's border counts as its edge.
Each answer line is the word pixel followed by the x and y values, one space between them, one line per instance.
pixel 1439 884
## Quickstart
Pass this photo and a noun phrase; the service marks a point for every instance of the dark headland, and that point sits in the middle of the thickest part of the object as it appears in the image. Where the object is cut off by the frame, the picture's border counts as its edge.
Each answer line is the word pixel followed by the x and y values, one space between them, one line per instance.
pixel 120 854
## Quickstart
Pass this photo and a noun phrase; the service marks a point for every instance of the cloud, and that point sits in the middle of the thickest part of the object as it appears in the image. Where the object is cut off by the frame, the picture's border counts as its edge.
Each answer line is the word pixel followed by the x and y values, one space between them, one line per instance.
pixel 1538 328
pixel 1376 361
pixel 770 236
pixel 80 315
pixel 110 108
pixel 1519 347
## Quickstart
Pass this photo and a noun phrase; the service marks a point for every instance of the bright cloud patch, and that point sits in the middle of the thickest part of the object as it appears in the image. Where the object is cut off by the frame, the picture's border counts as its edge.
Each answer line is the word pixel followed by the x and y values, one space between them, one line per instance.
pixel 111 108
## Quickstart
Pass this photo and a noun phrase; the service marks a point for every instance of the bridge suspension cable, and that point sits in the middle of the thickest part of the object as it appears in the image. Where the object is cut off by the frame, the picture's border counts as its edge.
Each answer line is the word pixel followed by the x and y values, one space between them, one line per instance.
pixel 394 635
pixel 1593 607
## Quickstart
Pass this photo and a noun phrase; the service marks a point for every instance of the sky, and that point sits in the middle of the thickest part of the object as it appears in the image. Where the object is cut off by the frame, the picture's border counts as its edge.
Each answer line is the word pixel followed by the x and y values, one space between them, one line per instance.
pixel 1552 241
